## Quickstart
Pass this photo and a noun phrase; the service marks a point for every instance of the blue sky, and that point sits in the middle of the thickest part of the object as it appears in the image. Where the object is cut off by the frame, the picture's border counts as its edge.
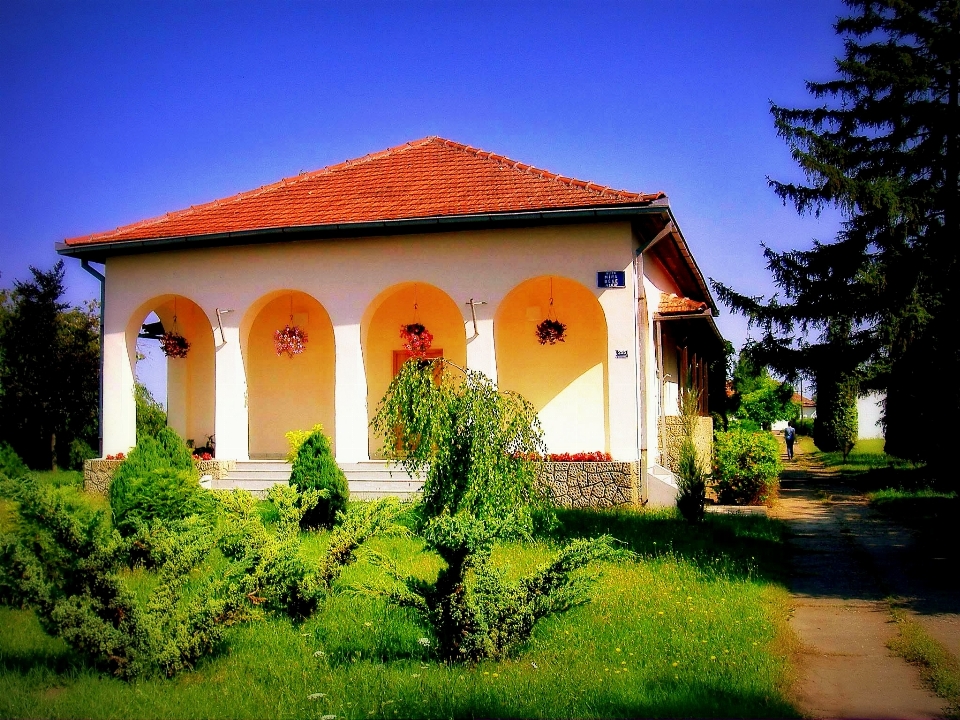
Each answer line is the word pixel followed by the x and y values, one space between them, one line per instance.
pixel 114 112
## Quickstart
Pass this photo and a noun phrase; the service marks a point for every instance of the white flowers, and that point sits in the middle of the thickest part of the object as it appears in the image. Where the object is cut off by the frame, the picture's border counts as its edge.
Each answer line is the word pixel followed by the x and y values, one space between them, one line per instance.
pixel 319 653
pixel 424 641
pixel 316 696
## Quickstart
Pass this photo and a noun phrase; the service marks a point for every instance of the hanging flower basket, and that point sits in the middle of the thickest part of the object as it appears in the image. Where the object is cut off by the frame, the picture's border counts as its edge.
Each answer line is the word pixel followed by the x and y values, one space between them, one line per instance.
pixel 292 340
pixel 416 339
pixel 551 332
pixel 174 345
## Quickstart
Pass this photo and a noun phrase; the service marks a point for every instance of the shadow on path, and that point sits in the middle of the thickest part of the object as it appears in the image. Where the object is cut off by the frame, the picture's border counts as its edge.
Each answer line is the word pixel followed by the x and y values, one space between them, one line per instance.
pixel 846 561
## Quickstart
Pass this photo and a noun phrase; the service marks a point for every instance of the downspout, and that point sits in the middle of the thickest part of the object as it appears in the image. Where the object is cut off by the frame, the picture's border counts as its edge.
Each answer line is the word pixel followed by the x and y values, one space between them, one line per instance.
pixel 85 264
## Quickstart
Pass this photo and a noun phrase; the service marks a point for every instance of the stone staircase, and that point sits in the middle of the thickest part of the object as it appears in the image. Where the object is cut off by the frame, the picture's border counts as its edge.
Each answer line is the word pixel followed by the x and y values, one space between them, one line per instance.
pixel 367 480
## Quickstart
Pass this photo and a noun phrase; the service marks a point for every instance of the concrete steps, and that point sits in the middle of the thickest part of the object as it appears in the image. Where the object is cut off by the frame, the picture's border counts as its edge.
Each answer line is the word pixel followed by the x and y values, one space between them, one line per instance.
pixel 661 487
pixel 367 480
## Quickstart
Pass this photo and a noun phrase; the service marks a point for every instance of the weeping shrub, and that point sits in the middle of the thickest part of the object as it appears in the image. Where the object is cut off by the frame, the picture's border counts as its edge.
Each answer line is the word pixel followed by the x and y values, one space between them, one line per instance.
pixel 316 469
pixel 157 481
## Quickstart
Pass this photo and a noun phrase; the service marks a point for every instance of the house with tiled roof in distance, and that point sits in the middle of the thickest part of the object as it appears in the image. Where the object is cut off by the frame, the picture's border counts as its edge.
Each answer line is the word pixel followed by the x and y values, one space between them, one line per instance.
pixel 476 247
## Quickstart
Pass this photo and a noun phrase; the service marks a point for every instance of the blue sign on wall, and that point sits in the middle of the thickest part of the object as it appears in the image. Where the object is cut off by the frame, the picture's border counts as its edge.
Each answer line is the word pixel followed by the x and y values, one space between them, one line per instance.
pixel 611 279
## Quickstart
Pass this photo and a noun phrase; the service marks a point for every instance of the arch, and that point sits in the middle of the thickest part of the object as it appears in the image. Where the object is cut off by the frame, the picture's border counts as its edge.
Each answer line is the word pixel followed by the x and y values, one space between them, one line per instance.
pixel 380 335
pixel 287 393
pixel 191 389
pixel 567 382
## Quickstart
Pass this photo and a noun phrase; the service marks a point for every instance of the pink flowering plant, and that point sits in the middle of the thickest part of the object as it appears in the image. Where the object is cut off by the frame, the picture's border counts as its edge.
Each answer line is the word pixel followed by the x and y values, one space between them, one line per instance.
pixel 292 340
pixel 174 345
pixel 416 339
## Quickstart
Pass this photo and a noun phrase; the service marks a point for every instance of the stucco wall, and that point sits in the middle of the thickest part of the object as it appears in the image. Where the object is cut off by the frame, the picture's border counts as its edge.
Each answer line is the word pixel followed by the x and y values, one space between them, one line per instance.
pixel 345 278
pixel 566 381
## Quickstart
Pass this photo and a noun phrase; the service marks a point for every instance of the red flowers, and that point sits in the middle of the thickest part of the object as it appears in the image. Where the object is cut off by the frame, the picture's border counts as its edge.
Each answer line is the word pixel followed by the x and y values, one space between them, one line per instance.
pixel 118 456
pixel 292 340
pixel 569 457
pixel 203 456
pixel 416 339
pixel 174 345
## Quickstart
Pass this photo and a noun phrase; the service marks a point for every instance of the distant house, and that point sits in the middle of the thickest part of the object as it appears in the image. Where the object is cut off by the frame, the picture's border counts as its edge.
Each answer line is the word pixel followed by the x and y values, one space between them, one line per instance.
pixel 478 248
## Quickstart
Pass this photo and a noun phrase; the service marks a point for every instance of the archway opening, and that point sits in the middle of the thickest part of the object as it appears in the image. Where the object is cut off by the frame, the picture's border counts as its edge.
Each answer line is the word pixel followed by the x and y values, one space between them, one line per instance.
pixel 383 351
pixel 184 381
pixel 286 392
pixel 566 381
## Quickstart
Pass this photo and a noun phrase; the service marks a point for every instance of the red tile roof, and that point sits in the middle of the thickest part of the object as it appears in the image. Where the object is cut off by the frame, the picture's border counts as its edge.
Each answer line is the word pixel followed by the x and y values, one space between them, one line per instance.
pixel 676 305
pixel 431 177
pixel 803 402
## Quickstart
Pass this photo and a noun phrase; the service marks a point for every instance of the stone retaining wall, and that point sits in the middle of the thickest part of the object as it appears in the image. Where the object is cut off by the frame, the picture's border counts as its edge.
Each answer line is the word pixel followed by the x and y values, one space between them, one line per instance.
pixel 592 484
pixel 671 436
pixel 97 474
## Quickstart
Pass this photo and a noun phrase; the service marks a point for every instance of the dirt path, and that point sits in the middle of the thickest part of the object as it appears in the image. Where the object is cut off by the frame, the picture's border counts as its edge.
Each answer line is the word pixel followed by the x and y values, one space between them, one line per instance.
pixel 846 562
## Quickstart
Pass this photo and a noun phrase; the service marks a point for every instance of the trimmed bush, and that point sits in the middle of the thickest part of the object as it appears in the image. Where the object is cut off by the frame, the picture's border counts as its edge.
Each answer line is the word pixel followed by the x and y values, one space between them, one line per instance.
pixel 747 467
pixel 80 450
pixel 158 480
pixel 316 469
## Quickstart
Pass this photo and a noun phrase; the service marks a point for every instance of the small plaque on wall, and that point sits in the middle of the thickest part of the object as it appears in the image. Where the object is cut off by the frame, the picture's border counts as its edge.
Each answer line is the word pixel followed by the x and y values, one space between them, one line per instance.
pixel 611 279
pixel 622 354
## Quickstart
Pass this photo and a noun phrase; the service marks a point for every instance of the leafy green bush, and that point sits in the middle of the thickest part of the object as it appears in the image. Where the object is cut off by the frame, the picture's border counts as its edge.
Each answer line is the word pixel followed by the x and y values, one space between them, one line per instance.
pixel 158 480
pixel 10 463
pixel 296 438
pixel 835 427
pixel 316 469
pixel 151 417
pixel 747 467
pixel 80 450
pixel 804 426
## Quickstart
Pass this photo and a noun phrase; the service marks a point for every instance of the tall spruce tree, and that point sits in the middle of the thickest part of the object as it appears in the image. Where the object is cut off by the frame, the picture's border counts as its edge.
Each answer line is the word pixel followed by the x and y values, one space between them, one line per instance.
pixel 50 374
pixel 875 306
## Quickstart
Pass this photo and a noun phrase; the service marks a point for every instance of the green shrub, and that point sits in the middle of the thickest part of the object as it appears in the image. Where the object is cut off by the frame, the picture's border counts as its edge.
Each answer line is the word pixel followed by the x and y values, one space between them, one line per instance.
pixel 296 438
pixel 80 450
pixel 747 467
pixel 316 469
pixel 157 481
pixel 10 463
pixel 835 427
pixel 804 426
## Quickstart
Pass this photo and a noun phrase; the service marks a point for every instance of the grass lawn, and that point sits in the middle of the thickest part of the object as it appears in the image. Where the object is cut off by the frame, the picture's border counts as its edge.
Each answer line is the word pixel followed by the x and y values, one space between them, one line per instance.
pixel 695 627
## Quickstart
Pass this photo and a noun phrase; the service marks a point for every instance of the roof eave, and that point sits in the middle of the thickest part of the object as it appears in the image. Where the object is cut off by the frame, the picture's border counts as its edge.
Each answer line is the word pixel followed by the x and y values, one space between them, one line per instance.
pixel 98 251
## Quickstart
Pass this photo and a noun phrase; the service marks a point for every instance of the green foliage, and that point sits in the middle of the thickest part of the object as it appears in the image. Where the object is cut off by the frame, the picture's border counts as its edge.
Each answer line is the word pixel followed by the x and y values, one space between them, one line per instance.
pixel 691 478
pixel 758 397
pixel 151 418
pixel 316 469
pixel 10 463
pixel 471 441
pixel 804 426
pixel 835 427
pixel 747 466
pixel 49 370
pixel 66 564
pixel 158 480
pixel 296 438
pixel 881 145
pixel 80 450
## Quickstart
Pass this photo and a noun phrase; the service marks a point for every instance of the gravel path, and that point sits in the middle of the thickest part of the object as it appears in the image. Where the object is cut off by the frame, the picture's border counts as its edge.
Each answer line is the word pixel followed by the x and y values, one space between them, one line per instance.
pixel 846 562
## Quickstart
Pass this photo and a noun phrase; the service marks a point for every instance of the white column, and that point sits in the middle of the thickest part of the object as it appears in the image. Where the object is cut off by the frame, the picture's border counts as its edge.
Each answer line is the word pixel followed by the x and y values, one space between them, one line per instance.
pixel 119 407
pixel 481 353
pixel 617 307
pixel 350 395
pixel 231 418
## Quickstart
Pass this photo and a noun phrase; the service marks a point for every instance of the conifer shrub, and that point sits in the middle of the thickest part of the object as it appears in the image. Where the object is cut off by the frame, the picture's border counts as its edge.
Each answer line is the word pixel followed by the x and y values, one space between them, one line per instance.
pixel 316 469
pixel 65 563
pixel 747 467
pixel 157 481
pixel 691 478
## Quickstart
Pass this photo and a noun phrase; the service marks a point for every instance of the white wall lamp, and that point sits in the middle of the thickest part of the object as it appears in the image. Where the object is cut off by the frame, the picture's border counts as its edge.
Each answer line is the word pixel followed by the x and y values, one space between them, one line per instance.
pixel 473 312
pixel 223 339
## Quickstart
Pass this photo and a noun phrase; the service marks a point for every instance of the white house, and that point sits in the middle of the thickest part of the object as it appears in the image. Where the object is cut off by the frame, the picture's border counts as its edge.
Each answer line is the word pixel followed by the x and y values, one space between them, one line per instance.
pixel 478 248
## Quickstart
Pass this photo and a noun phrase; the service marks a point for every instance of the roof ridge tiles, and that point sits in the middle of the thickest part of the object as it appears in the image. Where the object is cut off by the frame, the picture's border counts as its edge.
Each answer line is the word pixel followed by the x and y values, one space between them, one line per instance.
pixel 287 208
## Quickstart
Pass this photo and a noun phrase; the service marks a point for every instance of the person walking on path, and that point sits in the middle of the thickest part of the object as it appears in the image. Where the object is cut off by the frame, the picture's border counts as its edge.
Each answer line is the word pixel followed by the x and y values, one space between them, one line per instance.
pixel 789 437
